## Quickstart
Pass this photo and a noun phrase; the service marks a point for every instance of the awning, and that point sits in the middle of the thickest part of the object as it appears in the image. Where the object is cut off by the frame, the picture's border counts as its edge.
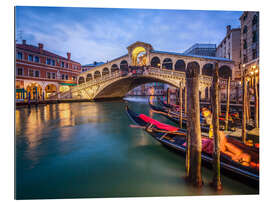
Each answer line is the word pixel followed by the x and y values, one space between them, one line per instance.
pixel 68 84
pixel 20 90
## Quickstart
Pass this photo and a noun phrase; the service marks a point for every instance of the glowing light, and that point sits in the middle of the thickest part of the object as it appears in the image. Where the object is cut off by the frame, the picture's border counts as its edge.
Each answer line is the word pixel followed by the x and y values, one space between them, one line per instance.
pixel 256 71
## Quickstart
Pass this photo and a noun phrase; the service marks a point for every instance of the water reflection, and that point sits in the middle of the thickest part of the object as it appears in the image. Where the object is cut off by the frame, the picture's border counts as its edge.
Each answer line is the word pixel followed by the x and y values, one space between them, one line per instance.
pixel 85 146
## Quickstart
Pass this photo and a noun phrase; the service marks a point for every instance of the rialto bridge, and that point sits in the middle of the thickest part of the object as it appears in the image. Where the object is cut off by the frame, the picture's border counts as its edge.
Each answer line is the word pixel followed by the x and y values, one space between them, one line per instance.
pixel 143 65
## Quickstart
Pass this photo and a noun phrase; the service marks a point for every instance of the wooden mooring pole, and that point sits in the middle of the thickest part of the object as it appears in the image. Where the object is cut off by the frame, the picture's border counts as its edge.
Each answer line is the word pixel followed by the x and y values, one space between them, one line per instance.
pixel 168 95
pixel 244 107
pixel 180 105
pixel 256 102
pixel 216 181
pixel 185 100
pixel 228 104
pixel 194 143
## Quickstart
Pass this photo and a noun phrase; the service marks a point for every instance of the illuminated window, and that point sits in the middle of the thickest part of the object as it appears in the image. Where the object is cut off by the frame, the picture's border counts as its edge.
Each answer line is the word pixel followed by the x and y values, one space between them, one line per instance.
pixel 31 73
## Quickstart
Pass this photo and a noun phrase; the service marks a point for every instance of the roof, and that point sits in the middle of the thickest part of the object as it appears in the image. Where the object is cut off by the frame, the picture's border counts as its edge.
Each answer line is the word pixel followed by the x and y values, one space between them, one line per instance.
pixel 37 50
pixel 197 45
pixel 93 64
pixel 191 55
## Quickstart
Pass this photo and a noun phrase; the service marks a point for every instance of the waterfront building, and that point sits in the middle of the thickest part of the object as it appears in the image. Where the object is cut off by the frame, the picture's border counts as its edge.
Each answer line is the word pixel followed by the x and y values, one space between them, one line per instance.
pixel 230 48
pixel 87 67
pixel 202 50
pixel 249 40
pixel 40 73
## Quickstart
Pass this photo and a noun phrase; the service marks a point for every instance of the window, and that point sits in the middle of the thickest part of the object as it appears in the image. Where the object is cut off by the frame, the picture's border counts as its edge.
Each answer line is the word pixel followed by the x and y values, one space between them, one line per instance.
pixel 53 62
pixel 245 44
pixel 36 59
pixel 30 57
pixel 245 29
pixel 254 36
pixel 31 73
pixel 245 58
pixel 62 64
pixel 19 55
pixel 48 75
pixel 37 73
pixel 255 20
pixel 254 53
pixel 48 61
pixel 66 77
pixel 66 65
pixel 63 76
pixel 53 75
pixel 74 78
pixel 19 71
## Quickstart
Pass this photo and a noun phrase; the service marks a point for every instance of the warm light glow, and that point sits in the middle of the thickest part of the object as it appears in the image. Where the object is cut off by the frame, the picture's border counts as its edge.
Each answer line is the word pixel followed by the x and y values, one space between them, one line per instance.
pixel 256 71
pixel 251 72
pixel 136 51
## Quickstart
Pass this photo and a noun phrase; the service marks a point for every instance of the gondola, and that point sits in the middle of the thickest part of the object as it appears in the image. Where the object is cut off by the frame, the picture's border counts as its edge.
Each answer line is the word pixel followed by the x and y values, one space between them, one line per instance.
pixel 174 116
pixel 174 138
pixel 234 117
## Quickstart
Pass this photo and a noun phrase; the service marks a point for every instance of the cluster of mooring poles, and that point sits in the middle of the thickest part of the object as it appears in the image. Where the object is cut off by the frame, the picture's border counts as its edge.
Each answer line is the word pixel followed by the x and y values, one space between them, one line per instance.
pixel 193 137
pixel 249 83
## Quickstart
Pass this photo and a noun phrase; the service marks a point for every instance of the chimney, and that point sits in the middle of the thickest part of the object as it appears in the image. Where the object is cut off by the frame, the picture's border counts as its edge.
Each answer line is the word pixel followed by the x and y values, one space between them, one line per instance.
pixel 68 55
pixel 24 41
pixel 40 46
pixel 228 28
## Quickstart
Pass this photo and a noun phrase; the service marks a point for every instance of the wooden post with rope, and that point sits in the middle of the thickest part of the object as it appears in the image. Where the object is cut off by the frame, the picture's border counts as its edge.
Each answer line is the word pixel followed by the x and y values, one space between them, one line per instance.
pixel 180 105
pixel 168 95
pixel 244 109
pixel 194 142
pixel 228 104
pixel 256 102
pixel 216 182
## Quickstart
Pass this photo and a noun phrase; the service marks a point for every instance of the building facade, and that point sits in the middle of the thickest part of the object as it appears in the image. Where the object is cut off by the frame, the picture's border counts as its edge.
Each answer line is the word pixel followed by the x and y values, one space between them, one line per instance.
pixel 88 67
pixel 202 50
pixel 249 40
pixel 40 73
pixel 230 47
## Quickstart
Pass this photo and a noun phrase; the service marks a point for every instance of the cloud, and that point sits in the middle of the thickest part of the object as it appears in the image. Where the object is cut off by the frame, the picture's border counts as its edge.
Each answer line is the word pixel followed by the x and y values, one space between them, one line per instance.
pixel 103 34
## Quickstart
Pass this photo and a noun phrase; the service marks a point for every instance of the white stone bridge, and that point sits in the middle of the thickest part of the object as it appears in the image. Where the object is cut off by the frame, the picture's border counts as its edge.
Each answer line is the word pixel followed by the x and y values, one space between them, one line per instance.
pixel 117 77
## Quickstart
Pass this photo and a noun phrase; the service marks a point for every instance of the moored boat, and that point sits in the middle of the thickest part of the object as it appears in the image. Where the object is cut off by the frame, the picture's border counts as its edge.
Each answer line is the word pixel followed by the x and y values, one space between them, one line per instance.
pixel 174 138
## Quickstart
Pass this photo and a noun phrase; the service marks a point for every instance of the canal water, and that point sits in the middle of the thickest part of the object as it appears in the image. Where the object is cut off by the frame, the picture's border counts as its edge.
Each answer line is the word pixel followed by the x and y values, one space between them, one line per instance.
pixel 84 150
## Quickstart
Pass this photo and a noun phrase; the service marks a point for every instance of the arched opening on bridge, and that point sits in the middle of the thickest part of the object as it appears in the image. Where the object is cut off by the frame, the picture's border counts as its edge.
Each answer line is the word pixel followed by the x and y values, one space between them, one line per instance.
pixel 139 56
pixel 114 68
pixel 105 71
pixel 50 89
pixel 180 66
pixel 124 66
pixel 167 64
pixel 155 62
pixel 89 77
pixel 34 91
pixel 208 69
pixel 97 74
pixel 195 65
pixel 81 80
pixel 225 72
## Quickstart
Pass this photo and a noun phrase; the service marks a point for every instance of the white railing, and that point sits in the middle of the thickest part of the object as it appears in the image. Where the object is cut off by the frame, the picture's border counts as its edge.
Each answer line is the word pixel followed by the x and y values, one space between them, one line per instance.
pixel 148 71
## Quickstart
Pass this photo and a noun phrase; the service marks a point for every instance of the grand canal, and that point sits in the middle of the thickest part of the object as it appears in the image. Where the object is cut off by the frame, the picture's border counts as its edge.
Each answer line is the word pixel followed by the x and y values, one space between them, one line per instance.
pixel 73 150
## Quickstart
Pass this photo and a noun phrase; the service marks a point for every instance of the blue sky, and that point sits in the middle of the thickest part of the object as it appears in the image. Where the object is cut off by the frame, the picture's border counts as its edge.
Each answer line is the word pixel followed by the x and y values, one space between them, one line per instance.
pixel 101 34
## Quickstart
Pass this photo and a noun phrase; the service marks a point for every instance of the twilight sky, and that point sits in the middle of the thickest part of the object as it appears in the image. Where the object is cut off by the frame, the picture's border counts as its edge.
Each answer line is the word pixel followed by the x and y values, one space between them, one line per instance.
pixel 97 34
